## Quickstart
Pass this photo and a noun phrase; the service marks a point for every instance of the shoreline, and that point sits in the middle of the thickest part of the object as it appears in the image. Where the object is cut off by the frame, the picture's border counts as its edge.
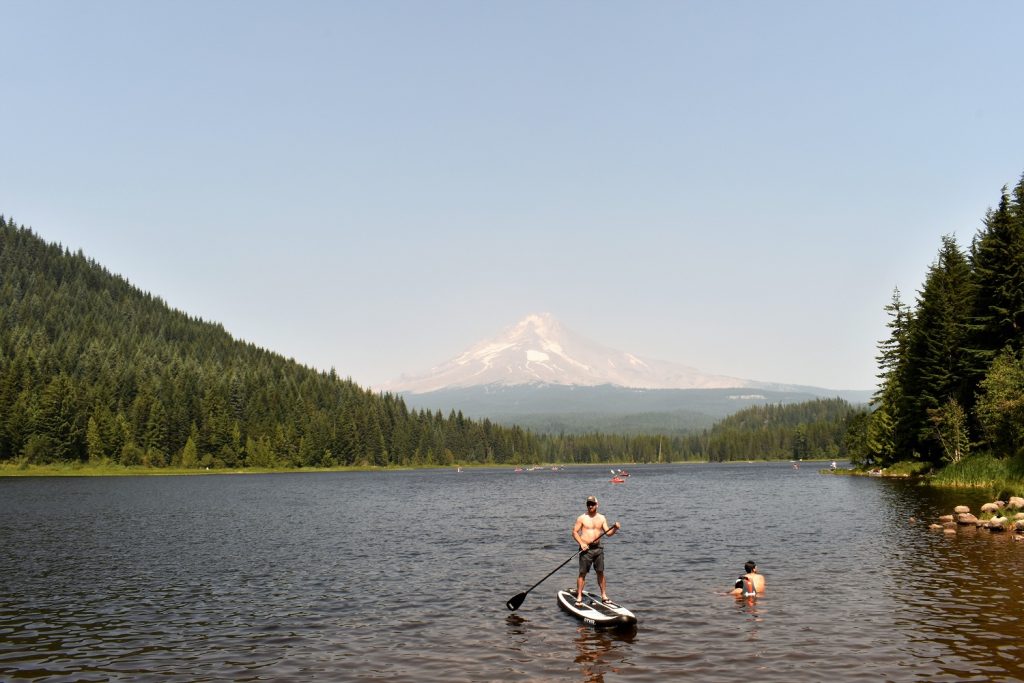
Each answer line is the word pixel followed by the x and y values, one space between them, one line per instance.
pixel 998 486
pixel 13 470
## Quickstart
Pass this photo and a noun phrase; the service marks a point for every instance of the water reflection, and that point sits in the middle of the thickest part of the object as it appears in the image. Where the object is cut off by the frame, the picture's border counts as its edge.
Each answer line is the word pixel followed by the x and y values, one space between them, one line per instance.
pixel 751 610
pixel 600 653
pixel 516 624
pixel 957 599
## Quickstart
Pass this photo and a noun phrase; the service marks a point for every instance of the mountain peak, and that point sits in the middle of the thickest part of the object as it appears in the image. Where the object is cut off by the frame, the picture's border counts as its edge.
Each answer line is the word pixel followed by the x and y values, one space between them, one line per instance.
pixel 540 323
pixel 539 350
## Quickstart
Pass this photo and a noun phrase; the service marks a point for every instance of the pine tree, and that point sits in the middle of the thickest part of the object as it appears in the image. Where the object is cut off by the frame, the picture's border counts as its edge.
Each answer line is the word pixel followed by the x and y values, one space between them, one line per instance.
pixel 94 441
pixel 155 437
pixel 937 365
pixel 58 420
pixel 882 437
pixel 997 260
pixel 190 453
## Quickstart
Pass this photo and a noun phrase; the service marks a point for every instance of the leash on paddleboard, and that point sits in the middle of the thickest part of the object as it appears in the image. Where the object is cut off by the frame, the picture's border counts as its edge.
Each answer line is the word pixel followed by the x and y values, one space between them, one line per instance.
pixel 517 600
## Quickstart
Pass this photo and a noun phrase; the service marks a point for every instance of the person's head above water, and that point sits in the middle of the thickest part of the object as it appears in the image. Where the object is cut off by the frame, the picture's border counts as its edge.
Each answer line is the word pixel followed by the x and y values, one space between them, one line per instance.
pixel 750 566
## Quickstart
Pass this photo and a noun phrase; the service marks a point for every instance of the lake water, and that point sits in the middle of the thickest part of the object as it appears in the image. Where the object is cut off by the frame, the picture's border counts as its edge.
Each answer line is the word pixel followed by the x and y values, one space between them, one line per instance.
pixel 403 576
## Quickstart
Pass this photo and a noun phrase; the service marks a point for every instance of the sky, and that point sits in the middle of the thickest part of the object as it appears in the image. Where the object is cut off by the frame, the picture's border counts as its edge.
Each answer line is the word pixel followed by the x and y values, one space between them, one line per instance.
pixel 737 186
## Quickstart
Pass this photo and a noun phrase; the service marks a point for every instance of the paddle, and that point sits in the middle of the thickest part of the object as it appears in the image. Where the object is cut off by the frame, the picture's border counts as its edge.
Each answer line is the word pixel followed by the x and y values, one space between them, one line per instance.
pixel 514 603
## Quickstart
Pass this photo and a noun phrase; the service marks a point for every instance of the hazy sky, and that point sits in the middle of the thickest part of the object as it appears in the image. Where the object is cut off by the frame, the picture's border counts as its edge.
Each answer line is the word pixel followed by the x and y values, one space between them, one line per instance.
pixel 374 186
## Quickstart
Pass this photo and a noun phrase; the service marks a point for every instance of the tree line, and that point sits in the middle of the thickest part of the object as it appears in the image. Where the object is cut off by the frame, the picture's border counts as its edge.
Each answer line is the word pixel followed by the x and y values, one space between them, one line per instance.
pixel 813 429
pixel 951 370
pixel 94 370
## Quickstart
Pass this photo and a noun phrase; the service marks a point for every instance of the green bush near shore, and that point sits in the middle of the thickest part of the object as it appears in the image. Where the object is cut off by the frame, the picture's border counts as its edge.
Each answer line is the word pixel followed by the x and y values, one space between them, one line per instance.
pixel 1005 476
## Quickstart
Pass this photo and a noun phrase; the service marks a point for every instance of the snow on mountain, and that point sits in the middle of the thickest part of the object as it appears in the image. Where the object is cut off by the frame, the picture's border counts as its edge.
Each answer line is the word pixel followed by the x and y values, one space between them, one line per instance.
pixel 539 350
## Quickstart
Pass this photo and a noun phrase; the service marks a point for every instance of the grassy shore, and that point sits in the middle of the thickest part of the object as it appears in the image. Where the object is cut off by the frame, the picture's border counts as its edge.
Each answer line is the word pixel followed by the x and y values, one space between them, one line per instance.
pixel 1002 476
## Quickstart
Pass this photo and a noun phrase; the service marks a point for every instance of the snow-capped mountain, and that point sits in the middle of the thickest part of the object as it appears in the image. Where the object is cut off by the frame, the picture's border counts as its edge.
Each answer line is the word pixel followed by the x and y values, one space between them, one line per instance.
pixel 539 350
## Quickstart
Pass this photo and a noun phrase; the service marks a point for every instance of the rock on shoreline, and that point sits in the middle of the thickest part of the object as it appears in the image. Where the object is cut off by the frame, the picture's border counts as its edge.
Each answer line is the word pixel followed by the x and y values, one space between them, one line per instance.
pixel 997 516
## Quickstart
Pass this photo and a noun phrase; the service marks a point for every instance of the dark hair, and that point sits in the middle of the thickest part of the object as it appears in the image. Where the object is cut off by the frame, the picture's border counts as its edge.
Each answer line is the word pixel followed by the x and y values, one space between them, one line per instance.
pixel 749 566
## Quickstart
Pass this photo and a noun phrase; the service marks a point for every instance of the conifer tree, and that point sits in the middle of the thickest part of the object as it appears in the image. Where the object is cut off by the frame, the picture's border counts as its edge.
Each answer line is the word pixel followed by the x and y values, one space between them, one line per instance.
pixel 997 260
pixel 881 437
pixel 94 441
pixel 936 365
pixel 190 454
pixel 58 420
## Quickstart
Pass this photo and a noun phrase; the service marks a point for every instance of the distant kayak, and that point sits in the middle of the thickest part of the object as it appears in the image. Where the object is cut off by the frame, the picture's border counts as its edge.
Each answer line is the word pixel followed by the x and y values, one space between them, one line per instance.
pixel 594 612
pixel 617 480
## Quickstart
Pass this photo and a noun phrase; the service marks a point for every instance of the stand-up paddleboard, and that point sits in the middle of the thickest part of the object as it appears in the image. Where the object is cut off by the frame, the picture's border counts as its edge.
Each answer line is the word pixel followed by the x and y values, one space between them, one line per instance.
pixel 595 612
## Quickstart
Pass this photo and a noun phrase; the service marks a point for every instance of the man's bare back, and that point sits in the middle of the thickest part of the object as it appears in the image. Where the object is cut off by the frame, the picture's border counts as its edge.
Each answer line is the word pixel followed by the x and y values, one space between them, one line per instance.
pixel 751 583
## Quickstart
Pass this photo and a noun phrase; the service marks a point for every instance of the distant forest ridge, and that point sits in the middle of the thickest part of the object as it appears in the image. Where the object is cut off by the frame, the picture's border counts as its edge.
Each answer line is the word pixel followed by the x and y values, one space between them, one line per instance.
pixel 558 409
pixel 94 370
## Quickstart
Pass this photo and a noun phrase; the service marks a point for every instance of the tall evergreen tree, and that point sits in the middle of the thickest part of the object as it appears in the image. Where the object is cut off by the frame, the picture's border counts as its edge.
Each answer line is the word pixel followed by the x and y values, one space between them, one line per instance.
pixel 59 420
pixel 881 437
pixel 937 364
pixel 997 261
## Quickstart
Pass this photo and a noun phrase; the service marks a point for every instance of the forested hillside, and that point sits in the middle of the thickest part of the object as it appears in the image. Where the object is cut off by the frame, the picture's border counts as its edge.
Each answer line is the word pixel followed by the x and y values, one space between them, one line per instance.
pixel 814 429
pixel 93 369
pixel 952 369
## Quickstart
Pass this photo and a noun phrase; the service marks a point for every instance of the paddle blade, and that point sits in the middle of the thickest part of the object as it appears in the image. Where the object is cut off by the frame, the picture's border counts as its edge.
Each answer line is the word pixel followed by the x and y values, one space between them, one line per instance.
pixel 515 602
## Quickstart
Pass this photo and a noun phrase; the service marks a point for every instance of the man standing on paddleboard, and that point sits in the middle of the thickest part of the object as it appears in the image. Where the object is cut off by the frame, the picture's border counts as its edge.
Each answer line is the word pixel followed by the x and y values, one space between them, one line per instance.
pixel 587 531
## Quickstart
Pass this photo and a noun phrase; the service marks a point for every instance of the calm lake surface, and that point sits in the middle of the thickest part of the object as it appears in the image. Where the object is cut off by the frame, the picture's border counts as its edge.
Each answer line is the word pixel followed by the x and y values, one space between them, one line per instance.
pixel 403 576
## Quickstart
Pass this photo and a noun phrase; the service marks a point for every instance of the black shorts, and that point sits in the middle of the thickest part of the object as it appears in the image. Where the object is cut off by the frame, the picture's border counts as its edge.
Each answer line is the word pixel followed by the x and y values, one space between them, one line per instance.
pixel 595 557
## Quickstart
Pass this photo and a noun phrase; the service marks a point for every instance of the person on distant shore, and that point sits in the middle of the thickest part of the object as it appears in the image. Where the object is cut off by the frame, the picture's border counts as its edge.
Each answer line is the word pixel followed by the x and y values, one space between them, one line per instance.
pixel 751 584
pixel 834 465
pixel 587 532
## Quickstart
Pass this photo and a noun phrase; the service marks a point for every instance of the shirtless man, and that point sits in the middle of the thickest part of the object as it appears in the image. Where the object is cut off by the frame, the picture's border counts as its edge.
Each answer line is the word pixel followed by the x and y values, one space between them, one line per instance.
pixel 751 584
pixel 586 531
